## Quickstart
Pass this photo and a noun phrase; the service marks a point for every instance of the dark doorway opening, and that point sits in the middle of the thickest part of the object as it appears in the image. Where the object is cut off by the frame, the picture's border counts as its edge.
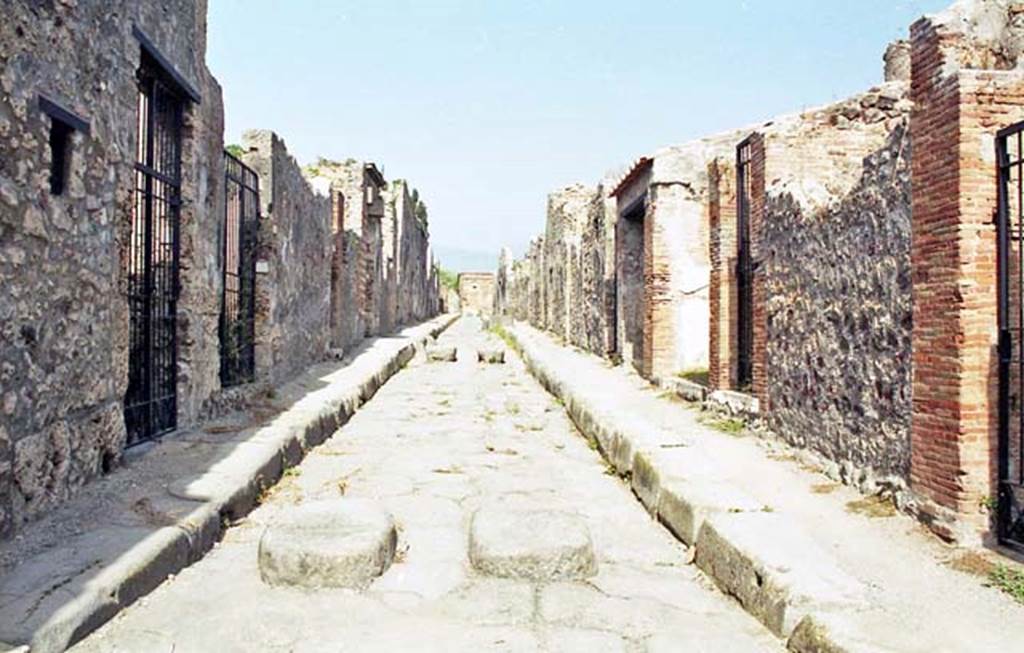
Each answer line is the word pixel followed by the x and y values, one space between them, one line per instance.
pixel 744 269
pixel 630 280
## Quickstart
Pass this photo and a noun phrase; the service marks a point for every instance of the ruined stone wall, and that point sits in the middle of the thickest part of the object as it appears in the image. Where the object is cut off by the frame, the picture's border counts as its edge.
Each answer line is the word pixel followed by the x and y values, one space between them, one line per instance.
pixel 346 182
pixel 837 281
pixel 63 307
pixel 413 296
pixel 503 285
pixel 567 214
pixel 293 284
pixel 830 243
pixel 594 308
pixel 476 292
pixel 372 287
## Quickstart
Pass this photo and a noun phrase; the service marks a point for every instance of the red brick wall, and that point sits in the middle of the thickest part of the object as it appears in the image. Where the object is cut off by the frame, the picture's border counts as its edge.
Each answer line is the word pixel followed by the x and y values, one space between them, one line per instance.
pixel 659 309
pixel 953 432
pixel 721 220
pixel 759 380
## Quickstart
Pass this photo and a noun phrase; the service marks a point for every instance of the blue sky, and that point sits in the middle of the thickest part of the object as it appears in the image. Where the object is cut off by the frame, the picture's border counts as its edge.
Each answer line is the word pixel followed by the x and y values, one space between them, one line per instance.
pixel 486 106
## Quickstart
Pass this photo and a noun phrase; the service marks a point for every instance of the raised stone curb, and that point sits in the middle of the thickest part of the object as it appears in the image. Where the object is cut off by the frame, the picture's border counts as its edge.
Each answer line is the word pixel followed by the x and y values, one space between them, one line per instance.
pixel 776 572
pixel 684 505
pixel 539 545
pixel 735 403
pixel 686 389
pixel 339 543
pixel 228 490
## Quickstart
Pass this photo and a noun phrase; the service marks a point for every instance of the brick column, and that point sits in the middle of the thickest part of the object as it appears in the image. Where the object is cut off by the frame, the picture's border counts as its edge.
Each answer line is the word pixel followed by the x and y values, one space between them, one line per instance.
pixel 953 257
pixel 759 381
pixel 659 319
pixel 721 219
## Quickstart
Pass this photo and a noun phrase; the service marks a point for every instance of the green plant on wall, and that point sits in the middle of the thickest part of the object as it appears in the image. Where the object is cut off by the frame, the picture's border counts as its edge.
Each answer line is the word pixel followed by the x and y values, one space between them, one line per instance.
pixel 235 150
pixel 448 278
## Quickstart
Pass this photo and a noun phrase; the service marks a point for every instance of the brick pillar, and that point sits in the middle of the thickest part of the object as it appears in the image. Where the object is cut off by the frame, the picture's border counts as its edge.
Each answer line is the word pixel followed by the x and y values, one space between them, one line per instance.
pixel 721 219
pixel 953 257
pixel 759 372
pixel 659 320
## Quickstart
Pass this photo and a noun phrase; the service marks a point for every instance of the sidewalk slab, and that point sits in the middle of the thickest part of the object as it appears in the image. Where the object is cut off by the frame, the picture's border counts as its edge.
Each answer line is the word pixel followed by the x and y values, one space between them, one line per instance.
pixel 790 545
pixel 68 573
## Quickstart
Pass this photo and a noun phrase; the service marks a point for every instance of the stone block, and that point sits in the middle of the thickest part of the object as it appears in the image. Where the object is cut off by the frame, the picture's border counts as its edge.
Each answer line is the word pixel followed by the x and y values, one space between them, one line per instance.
pixel 777 572
pixel 684 504
pixel 735 403
pixel 539 545
pixel 439 354
pixel 491 356
pixel 338 543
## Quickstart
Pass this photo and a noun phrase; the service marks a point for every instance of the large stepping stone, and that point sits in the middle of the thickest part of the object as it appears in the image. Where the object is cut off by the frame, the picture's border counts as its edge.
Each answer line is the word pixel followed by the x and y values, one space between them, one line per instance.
pixel 491 356
pixel 337 543
pixel 442 354
pixel 533 544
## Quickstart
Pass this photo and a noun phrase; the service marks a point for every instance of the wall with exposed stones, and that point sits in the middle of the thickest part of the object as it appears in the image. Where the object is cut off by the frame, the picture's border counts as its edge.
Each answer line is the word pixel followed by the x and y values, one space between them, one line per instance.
pixel 830 241
pixel 63 307
pixel 359 296
pixel 293 262
pixel 64 252
pixel 836 275
pixel 415 278
pixel 567 215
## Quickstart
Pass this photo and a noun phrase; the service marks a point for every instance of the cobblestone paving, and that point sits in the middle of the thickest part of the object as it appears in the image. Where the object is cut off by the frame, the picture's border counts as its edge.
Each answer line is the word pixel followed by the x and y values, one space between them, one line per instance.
pixel 439 441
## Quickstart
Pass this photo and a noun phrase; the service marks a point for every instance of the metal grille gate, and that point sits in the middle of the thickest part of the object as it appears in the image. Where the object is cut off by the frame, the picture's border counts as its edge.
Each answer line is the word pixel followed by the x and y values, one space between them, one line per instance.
pixel 1010 231
pixel 238 304
pixel 744 269
pixel 152 261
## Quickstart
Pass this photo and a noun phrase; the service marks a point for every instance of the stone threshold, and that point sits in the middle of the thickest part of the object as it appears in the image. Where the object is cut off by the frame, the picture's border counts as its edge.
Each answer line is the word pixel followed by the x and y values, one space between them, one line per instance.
pixel 73 570
pixel 789 546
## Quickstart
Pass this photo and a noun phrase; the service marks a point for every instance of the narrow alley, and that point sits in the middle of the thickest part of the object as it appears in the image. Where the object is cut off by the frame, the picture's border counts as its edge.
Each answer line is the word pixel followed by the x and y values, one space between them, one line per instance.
pixel 438 443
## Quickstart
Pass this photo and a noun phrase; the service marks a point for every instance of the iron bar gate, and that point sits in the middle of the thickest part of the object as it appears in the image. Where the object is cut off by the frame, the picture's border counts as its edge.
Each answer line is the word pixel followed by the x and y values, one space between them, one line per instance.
pixel 238 302
pixel 1010 230
pixel 151 404
pixel 744 269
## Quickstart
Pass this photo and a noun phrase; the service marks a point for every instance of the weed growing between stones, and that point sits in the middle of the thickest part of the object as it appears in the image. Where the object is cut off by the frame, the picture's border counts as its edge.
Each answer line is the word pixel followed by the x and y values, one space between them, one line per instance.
pixel 697 375
pixel 672 396
pixel 874 507
pixel 728 425
pixel 1008 580
pixel 507 337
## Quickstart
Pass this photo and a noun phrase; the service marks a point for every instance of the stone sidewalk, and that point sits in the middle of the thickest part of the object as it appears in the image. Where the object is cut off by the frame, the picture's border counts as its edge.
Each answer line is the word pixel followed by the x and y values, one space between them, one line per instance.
pixel 448 449
pixel 66 574
pixel 815 561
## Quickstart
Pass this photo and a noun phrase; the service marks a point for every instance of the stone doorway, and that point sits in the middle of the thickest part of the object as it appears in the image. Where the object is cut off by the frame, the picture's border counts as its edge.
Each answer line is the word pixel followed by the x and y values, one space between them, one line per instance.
pixel 630 282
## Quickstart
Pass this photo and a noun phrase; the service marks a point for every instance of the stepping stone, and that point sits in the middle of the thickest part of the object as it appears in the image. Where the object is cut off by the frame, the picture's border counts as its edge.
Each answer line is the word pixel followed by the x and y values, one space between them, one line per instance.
pixel 533 544
pixel 442 354
pixel 338 543
pixel 491 356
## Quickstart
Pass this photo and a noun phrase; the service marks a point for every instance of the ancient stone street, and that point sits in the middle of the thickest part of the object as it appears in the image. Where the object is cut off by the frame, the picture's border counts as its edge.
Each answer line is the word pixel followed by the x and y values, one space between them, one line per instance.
pixel 512 536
